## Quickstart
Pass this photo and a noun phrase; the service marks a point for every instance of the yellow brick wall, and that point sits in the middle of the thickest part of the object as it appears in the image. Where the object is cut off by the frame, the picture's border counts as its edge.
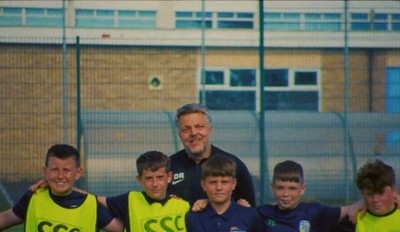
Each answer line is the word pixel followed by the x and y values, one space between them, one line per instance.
pixel 116 78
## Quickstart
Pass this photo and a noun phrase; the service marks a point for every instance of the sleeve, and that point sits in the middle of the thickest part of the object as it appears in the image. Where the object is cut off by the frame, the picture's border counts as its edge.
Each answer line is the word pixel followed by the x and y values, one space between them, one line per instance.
pixel 345 225
pixel 118 206
pixel 188 223
pixel 20 209
pixel 327 216
pixel 103 216
pixel 258 223
pixel 244 188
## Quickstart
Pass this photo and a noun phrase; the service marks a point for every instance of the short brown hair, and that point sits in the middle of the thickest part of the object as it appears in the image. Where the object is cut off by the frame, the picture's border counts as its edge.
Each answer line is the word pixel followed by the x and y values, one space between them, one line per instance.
pixel 288 171
pixel 218 165
pixel 152 160
pixel 375 175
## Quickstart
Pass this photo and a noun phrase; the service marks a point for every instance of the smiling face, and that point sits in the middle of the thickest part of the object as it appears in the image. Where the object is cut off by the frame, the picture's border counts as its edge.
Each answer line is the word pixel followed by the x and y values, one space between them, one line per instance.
pixel 155 183
pixel 61 175
pixel 219 188
pixel 287 193
pixel 195 132
pixel 380 203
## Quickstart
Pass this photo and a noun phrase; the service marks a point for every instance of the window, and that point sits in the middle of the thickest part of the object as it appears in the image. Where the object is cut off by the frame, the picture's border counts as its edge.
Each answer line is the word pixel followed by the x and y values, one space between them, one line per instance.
pixel 40 17
pixel 136 19
pixel 359 22
pixel 242 77
pixel 241 20
pixel 276 78
pixel 395 22
pixel 275 21
pixel 87 18
pixel 236 89
pixel 291 90
pixel 381 22
pixel 10 16
pixel 214 78
pixel 188 19
pixel 322 22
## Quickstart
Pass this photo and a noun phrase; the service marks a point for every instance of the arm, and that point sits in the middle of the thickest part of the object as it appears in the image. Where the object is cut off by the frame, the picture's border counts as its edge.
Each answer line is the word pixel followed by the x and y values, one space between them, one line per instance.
pixel 352 210
pixel 102 200
pixel 244 188
pixel 8 219
pixel 114 226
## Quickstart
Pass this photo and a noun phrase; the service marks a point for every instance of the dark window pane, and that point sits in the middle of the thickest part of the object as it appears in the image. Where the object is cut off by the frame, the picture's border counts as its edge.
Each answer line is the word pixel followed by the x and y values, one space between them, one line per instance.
pixel 276 77
pixel 291 100
pixel 184 14
pixel 235 24
pixel 359 16
pixel 243 77
pixel 192 24
pixel 360 26
pixel 381 26
pixel 305 78
pixel 225 15
pixel 214 78
pixel 230 100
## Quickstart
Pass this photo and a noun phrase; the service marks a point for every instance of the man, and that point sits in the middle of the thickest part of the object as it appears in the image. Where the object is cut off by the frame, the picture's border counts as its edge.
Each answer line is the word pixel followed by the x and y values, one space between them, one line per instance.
pixel 59 207
pixel 194 126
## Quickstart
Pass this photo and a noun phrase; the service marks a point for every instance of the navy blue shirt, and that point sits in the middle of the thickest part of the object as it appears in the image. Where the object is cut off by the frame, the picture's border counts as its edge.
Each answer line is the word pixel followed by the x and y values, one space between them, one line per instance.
pixel 235 219
pixel 187 176
pixel 71 201
pixel 315 216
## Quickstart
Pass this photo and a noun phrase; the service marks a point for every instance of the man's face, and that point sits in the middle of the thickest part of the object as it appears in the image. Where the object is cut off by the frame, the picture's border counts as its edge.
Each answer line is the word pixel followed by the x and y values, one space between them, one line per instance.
pixel 287 193
pixel 195 132
pixel 155 183
pixel 219 188
pixel 61 175
pixel 380 203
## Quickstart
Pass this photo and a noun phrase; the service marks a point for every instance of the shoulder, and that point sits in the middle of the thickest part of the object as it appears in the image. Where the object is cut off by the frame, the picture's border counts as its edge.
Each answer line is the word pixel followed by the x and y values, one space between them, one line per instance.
pixel 218 151
pixel 179 157
pixel 179 202
pixel 265 209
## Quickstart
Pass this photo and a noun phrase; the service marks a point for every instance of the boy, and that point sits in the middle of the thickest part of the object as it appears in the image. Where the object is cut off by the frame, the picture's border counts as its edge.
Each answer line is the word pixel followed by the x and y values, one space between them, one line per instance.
pixel 222 213
pixel 152 209
pixel 377 184
pixel 289 214
pixel 59 207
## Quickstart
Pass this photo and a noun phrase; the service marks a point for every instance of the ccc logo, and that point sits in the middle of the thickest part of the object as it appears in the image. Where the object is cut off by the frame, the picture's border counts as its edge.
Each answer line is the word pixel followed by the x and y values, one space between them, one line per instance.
pixel 46 226
pixel 164 224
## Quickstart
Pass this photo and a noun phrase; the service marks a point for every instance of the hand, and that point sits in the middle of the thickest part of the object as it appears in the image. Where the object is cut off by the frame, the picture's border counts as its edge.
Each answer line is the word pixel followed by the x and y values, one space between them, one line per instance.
pixel 199 205
pixel 356 208
pixel 243 202
pixel 174 196
pixel 40 184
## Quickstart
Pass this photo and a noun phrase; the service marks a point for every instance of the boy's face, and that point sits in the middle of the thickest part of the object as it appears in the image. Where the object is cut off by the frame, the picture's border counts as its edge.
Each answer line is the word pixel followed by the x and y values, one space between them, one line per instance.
pixel 61 175
pixel 219 188
pixel 380 203
pixel 287 193
pixel 155 183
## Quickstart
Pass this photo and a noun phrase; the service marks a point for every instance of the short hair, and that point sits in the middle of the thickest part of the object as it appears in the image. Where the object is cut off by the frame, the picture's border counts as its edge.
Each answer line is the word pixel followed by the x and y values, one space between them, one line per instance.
pixel 288 171
pixel 63 151
pixel 192 108
pixel 217 165
pixel 375 175
pixel 152 160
